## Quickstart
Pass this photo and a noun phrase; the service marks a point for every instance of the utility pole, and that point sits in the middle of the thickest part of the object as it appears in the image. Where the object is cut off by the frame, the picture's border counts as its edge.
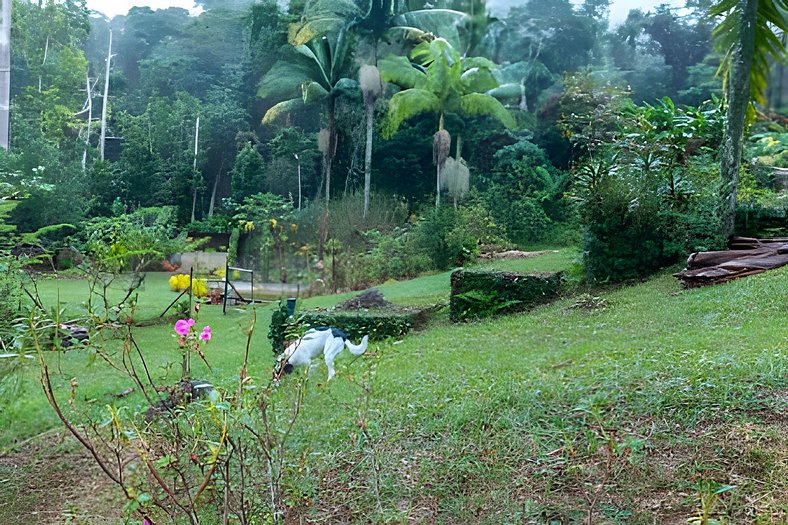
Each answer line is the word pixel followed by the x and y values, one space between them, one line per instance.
pixel 194 167
pixel 106 96
pixel 89 103
pixel 5 72
pixel 299 179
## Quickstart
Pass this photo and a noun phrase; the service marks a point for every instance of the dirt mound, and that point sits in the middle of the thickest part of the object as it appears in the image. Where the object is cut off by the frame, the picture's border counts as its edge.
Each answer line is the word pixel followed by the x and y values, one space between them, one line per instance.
pixel 372 298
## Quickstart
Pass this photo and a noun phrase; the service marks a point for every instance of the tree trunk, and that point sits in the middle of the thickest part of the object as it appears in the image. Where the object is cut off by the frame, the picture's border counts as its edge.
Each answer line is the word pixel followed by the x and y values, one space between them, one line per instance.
pixel 215 186
pixel 104 103
pixel 438 170
pixel 368 158
pixel 332 144
pixel 43 63
pixel 5 72
pixel 738 101
pixel 298 161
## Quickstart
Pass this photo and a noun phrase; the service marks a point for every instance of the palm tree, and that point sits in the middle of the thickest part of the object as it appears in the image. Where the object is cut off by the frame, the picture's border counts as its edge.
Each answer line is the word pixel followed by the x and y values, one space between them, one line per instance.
pixel 371 87
pixel 318 71
pixel 747 35
pixel 376 18
pixel 443 83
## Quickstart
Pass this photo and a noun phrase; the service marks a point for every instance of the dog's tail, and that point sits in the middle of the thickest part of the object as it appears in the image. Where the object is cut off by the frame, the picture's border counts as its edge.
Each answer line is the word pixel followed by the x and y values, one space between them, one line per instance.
pixel 357 349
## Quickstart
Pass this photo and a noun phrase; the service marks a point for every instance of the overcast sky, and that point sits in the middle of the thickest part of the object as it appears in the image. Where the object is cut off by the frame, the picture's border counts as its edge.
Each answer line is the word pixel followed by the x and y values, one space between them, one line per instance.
pixel 618 9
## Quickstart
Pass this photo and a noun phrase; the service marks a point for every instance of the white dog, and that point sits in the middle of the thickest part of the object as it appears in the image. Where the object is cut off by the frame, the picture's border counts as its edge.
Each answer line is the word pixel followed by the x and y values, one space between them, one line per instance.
pixel 316 341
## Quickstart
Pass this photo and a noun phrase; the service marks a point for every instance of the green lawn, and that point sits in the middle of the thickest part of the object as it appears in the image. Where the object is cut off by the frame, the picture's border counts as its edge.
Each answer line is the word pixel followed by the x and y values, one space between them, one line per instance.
pixel 542 417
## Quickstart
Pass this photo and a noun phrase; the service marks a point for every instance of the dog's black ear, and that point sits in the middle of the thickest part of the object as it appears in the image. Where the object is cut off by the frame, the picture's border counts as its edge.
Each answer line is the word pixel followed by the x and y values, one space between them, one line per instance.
pixel 288 368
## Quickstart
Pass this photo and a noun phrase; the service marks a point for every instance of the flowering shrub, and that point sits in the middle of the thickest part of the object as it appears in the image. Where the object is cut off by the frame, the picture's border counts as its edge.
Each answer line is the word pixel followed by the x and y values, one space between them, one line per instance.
pixel 180 282
pixel 189 341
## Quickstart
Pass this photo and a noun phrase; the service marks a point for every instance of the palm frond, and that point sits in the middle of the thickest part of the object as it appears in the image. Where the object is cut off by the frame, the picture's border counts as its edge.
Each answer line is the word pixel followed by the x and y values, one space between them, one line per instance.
pixel 286 76
pixel 478 80
pixel 398 70
pixel 321 17
pixel 771 17
pixel 507 91
pixel 407 104
pixel 304 32
pixel 480 105
pixel 443 23
pixel 281 109
pixel 312 92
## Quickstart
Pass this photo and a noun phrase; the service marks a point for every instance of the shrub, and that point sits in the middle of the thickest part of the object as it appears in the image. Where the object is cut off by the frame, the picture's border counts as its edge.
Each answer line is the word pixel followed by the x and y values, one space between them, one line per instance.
pixel 378 325
pixel 181 281
pixel 443 235
pixel 653 198
pixel 476 294
pixel 10 290
pixel 524 192
pixel 135 239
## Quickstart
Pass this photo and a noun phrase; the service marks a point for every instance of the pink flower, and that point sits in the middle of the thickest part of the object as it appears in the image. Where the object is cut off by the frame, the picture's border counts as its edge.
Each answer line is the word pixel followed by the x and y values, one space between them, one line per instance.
pixel 206 333
pixel 182 327
pixel 190 322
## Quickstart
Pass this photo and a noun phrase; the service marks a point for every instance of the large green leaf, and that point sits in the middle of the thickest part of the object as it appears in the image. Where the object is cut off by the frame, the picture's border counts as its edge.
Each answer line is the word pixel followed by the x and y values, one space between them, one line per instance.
pixel 443 23
pixel 347 87
pixel 398 70
pixel 321 17
pixel 478 62
pixel 281 109
pixel 772 16
pixel 285 78
pixel 480 105
pixel 407 104
pixel 317 57
pixel 478 80
pixel 312 92
pixel 507 91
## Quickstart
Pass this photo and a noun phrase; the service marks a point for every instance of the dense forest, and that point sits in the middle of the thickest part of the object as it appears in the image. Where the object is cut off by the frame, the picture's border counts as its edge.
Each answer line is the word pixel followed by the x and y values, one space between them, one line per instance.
pixel 406 135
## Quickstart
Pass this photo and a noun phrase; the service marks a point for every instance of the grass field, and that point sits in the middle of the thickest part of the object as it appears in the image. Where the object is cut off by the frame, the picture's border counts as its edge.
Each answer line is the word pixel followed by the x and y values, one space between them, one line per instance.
pixel 623 407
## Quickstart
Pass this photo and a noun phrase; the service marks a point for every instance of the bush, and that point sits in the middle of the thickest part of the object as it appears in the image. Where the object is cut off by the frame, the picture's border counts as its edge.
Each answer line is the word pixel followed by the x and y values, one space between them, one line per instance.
pixel 443 235
pixel 378 326
pixel 653 198
pixel 10 290
pixel 181 282
pixel 524 192
pixel 131 241
pixel 477 294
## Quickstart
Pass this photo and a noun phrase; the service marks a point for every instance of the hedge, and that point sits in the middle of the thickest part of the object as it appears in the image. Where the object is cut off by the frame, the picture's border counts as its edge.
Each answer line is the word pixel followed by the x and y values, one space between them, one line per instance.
pixel 476 294
pixel 378 325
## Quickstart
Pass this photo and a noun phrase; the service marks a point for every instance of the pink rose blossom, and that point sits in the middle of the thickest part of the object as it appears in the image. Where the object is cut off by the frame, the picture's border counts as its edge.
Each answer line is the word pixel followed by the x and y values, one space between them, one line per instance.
pixel 206 333
pixel 191 322
pixel 182 327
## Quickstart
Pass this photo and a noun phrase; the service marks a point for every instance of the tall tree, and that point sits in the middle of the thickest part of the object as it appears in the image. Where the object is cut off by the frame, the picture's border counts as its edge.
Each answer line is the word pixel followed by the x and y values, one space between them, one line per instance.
pixel 371 87
pixel 444 83
pixel 319 71
pixel 747 35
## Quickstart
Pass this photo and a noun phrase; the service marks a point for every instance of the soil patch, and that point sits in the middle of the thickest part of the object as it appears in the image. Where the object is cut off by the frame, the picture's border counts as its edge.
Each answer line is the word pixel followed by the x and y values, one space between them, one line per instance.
pixel 53 480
